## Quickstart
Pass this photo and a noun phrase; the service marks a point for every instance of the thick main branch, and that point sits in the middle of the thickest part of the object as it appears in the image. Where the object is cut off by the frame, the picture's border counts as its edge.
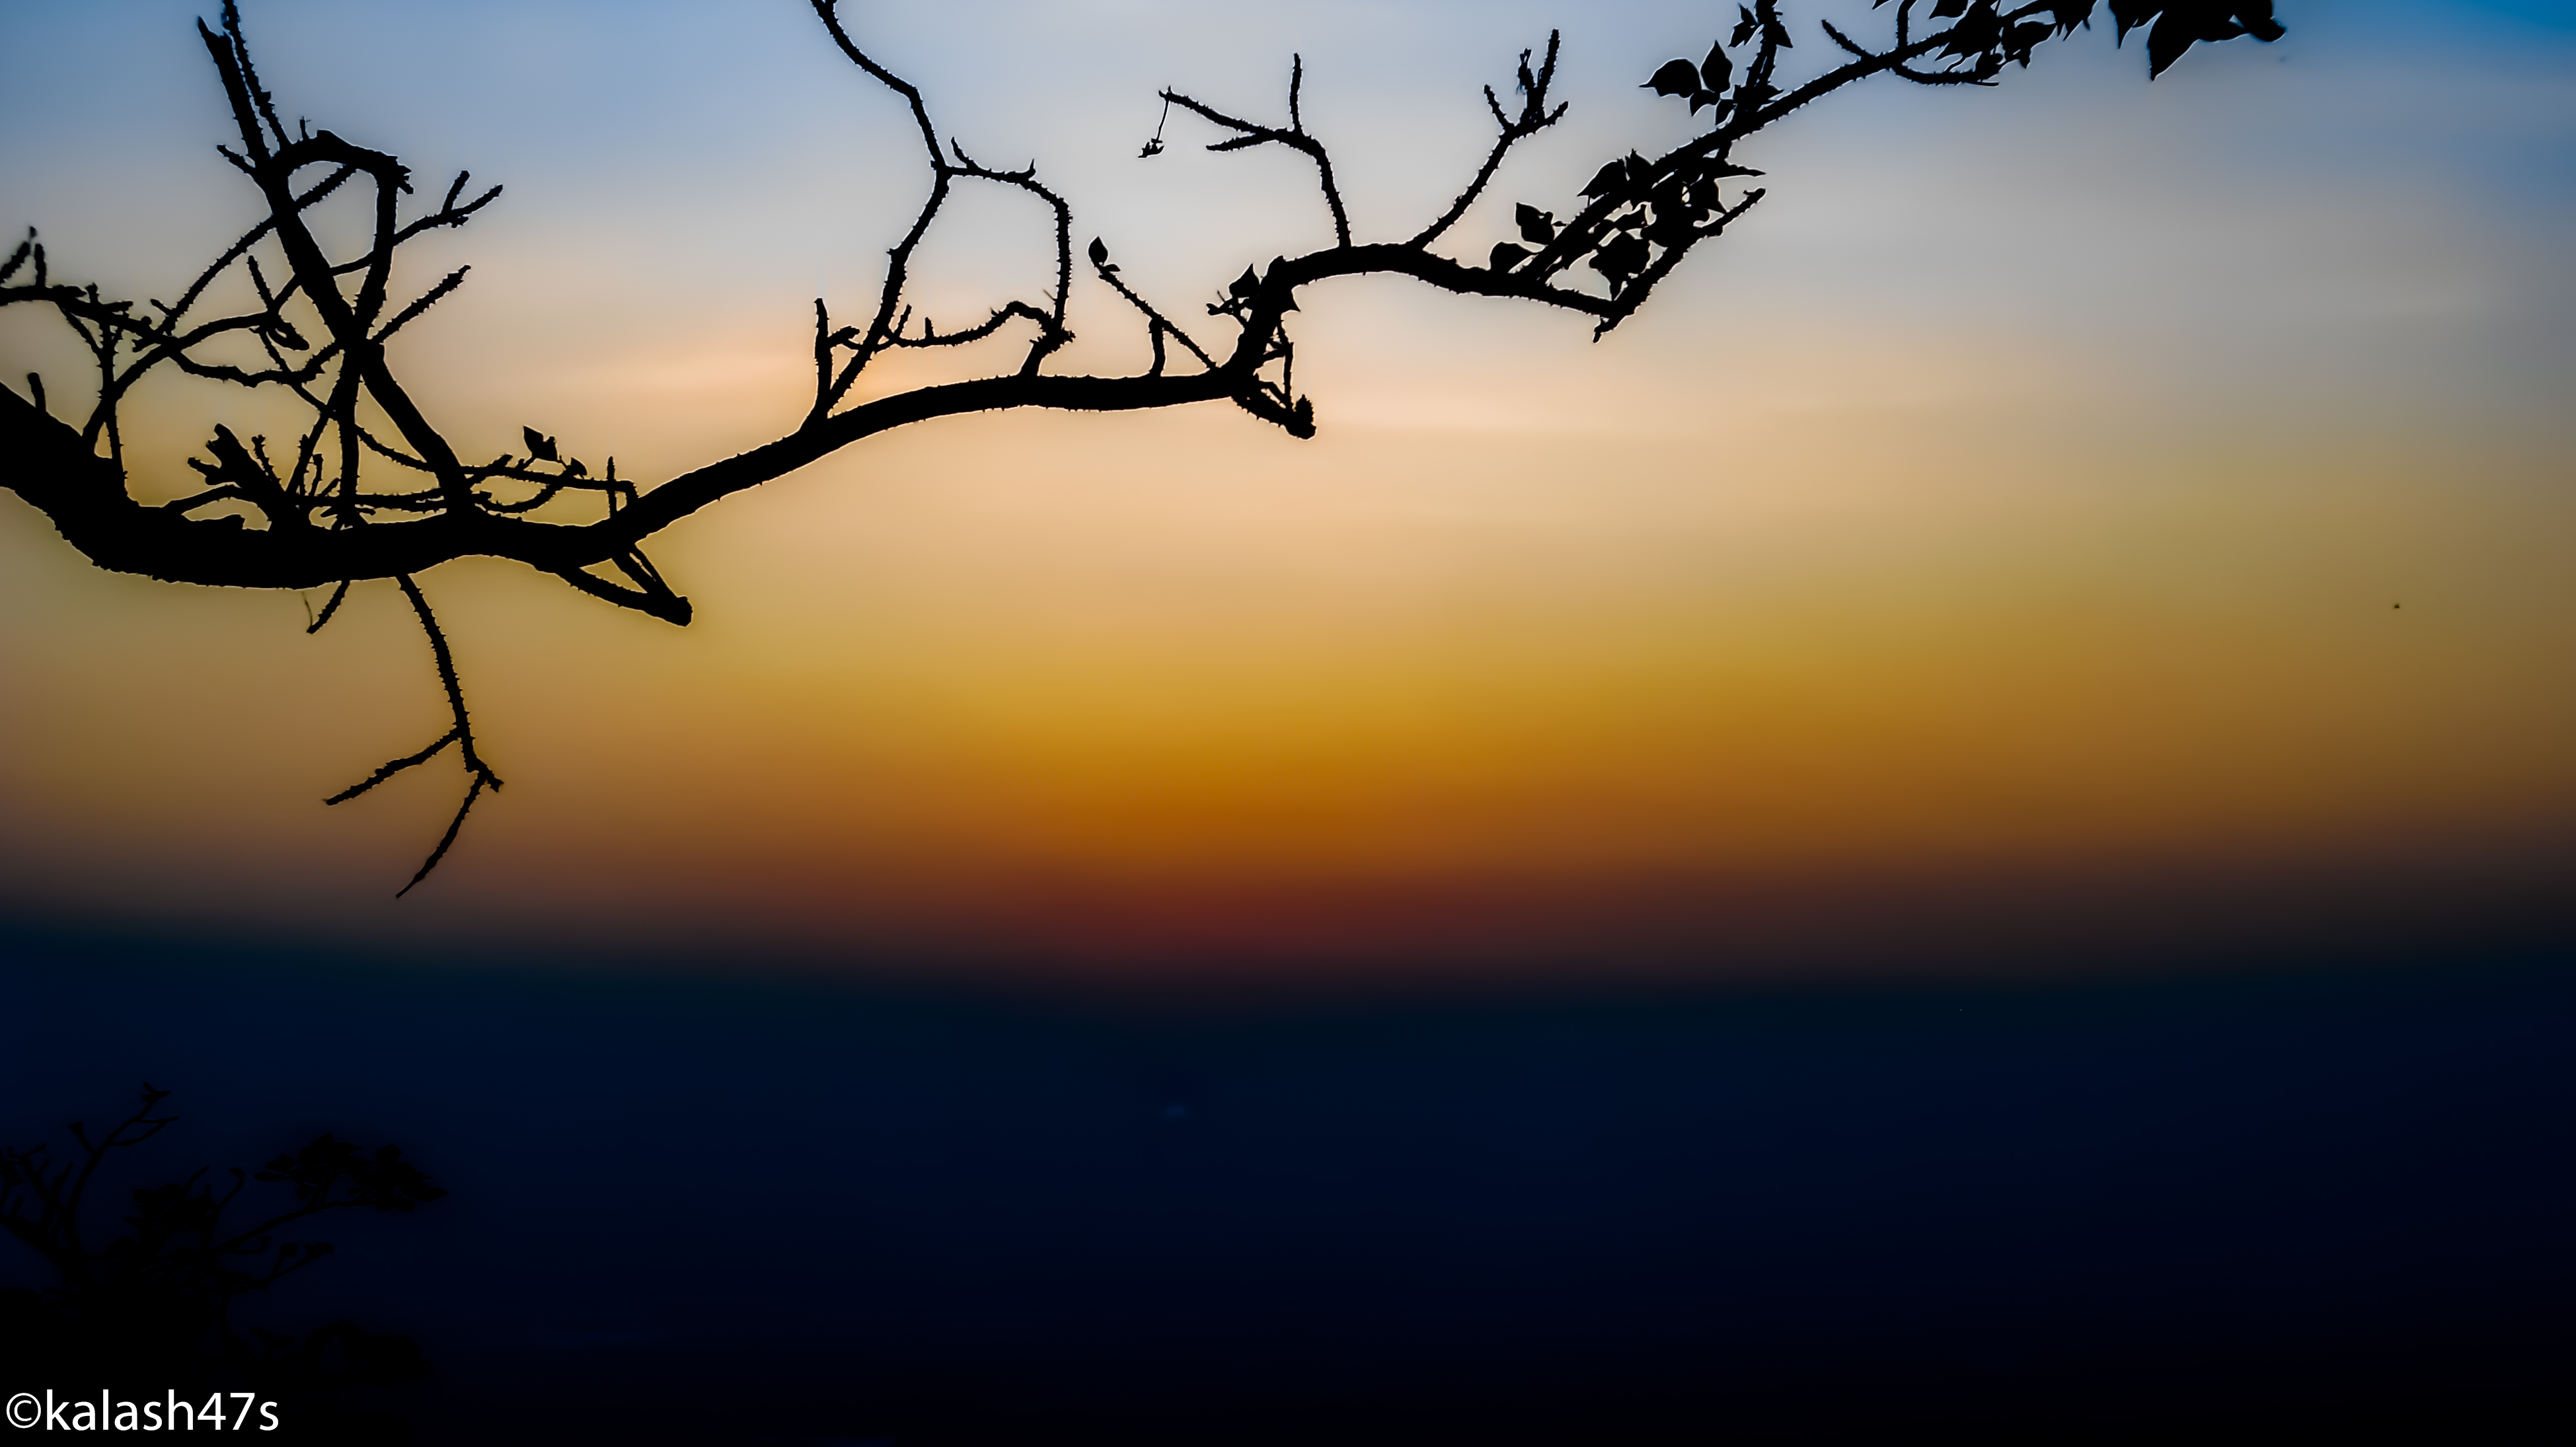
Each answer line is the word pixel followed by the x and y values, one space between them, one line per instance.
pixel 44 461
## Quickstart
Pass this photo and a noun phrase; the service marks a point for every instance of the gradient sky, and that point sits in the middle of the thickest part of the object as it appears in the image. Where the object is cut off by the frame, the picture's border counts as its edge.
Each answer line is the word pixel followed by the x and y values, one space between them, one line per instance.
pixel 2043 492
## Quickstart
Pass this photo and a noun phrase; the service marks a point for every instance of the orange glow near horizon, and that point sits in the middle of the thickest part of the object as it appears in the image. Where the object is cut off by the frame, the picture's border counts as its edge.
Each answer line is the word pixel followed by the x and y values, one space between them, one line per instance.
pixel 1847 574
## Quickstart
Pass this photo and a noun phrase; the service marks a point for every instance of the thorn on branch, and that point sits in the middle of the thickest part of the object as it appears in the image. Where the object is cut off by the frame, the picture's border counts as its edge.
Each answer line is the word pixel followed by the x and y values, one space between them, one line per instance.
pixel 338 595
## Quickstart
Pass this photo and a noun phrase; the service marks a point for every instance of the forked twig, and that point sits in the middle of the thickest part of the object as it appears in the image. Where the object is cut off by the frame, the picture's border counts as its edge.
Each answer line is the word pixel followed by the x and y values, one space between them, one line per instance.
pixel 460 733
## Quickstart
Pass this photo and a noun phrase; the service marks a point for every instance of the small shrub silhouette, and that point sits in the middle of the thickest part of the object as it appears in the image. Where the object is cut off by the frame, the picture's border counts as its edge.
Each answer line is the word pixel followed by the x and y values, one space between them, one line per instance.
pixel 149 1309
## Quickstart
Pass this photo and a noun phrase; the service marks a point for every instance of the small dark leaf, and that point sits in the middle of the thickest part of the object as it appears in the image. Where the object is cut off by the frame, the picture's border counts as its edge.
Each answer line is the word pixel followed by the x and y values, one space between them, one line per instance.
pixel 1744 28
pixel 1621 258
pixel 1538 228
pixel 1506 256
pixel 2181 23
pixel 2172 36
pixel 575 469
pixel 540 447
pixel 1245 285
pixel 1673 77
pixel 1099 252
pixel 1152 149
pixel 1717 69
pixel 1609 179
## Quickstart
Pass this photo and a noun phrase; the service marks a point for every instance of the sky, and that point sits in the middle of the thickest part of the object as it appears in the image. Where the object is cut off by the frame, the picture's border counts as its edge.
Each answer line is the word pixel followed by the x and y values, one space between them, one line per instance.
pixel 2088 521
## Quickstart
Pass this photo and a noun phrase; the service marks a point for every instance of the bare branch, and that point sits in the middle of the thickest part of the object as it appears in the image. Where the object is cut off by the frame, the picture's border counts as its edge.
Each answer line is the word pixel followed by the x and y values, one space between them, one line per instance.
pixel 1534 118
pixel 1295 138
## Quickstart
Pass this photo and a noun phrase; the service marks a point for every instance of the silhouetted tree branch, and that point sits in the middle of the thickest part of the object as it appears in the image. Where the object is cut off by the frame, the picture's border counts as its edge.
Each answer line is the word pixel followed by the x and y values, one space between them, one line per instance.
pixel 327 517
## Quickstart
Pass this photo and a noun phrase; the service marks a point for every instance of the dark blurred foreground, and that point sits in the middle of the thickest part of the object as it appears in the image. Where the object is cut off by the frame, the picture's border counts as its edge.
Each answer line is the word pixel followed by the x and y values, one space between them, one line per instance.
pixel 2306 1204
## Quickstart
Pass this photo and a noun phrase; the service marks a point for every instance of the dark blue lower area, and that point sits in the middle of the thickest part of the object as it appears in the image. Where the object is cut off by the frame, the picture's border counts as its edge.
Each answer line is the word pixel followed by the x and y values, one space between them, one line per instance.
pixel 747 1209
